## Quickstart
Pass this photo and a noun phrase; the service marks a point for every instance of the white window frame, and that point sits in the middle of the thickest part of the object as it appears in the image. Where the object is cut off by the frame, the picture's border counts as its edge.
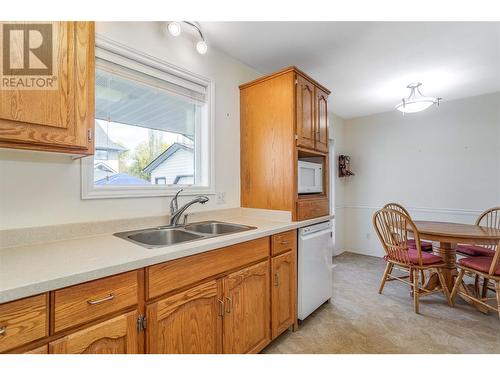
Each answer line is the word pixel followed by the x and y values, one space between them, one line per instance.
pixel 122 54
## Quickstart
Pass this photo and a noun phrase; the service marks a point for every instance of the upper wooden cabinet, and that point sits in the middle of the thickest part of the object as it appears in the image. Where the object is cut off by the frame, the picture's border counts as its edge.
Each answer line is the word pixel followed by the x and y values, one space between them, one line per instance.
pixel 59 114
pixel 312 115
pixel 305 112
pixel 320 120
pixel 283 117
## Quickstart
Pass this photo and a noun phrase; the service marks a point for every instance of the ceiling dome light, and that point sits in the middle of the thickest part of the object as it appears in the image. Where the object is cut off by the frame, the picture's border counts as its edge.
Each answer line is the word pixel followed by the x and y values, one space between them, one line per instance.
pixel 416 102
pixel 201 47
pixel 174 28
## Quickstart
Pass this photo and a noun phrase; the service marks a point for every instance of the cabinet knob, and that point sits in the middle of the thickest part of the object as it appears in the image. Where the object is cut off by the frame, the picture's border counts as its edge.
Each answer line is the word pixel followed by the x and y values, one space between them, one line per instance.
pixel 3 330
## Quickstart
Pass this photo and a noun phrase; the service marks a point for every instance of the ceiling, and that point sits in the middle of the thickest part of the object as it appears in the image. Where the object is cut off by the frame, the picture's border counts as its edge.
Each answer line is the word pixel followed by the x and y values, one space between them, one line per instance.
pixel 367 65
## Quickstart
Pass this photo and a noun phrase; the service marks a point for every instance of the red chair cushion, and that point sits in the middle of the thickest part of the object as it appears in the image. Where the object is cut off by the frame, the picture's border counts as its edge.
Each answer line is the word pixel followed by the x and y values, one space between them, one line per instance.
pixel 427 258
pixel 474 251
pixel 424 245
pixel 481 264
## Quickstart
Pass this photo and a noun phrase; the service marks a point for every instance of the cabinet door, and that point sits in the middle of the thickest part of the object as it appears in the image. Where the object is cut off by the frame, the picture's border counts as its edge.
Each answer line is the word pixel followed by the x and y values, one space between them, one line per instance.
pixel 59 115
pixel 40 350
pixel 189 322
pixel 114 336
pixel 283 292
pixel 321 120
pixel 305 113
pixel 247 310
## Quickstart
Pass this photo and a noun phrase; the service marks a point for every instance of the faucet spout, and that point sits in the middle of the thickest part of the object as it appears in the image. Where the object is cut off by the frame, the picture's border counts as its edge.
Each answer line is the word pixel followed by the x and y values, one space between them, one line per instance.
pixel 176 215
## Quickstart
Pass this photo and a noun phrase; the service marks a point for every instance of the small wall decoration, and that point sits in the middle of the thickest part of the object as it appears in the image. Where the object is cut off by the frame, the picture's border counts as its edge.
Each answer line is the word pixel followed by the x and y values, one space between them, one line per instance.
pixel 345 166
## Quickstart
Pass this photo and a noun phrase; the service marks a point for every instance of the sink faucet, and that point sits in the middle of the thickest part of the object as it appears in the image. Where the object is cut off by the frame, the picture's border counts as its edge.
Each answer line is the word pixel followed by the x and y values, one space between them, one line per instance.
pixel 176 212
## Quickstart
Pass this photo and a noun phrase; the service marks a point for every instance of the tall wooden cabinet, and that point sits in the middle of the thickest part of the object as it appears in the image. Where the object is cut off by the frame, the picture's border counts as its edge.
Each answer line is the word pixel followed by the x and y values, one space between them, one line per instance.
pixel 58 115
pixel 284 118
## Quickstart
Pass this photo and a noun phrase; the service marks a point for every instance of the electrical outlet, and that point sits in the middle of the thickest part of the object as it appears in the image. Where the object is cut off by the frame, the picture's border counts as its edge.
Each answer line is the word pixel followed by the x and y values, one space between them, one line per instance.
pixel 221 197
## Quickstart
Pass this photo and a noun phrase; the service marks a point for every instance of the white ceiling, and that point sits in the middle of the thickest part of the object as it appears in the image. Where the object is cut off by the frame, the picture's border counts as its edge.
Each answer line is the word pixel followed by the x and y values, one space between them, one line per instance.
pixel 367 65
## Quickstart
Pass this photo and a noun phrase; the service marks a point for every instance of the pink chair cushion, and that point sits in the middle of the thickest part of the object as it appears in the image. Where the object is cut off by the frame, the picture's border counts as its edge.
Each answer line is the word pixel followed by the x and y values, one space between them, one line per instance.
pixel 427 258
pixel 474 251
pixel 424 245
pixel 481 264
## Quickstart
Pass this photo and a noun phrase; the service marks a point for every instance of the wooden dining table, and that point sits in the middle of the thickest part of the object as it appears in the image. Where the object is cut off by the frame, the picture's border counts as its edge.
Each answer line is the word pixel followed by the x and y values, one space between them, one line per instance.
pixel 445 236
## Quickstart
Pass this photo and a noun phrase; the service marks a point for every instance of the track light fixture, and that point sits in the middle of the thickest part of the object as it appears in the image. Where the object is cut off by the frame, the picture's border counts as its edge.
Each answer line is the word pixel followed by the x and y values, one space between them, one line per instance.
pixel 174 29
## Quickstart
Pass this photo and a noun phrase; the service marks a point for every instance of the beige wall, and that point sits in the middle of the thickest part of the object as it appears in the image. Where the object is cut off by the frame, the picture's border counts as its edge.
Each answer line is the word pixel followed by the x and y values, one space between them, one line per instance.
pixel 42 189
pixel 443 164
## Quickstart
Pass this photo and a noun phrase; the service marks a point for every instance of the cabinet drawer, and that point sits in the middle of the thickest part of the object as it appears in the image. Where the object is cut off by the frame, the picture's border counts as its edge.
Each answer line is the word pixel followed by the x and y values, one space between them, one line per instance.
pixel 166 277
pixel 308 209
pixel 85 302
pixel 23 321
pixel 282 242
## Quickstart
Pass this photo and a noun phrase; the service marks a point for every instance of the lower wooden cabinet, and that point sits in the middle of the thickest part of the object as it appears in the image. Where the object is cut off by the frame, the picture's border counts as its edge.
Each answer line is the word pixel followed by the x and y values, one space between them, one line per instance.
pixel 245 296
pixel 247 307
pixel 44 349
pixel 118 335
pixel 227 315
pixel 187 322
pixel 283 292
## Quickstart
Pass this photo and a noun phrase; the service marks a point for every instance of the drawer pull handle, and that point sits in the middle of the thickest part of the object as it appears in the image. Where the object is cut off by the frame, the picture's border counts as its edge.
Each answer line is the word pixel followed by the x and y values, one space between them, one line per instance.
pixel 285 242
pixel 229 305
pixel 3 330
pixel 276 280
pixel 98 301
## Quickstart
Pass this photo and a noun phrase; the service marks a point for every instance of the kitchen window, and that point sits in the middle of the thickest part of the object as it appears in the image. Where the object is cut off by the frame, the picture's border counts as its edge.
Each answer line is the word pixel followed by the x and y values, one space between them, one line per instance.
pixel 153 128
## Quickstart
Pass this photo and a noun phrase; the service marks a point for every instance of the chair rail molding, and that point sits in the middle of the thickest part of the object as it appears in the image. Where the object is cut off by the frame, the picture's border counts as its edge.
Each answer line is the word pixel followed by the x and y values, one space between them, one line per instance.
pixel 440 210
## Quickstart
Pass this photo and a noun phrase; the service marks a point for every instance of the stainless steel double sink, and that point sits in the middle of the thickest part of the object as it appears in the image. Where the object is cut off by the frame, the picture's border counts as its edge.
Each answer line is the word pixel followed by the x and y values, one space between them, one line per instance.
pixel 165 236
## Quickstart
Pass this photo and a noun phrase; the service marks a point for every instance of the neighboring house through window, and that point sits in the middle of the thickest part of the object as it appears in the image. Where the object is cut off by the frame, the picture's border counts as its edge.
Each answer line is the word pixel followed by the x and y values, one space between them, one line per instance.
pixel 172 164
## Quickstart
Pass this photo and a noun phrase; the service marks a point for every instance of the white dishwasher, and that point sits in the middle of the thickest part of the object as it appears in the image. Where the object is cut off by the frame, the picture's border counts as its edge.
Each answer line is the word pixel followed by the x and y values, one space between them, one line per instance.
pixel 314 267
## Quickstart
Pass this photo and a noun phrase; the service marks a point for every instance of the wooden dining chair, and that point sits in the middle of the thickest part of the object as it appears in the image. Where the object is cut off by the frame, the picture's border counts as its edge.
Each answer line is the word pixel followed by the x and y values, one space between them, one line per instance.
pixel 491 219
pixel 425 245
pixel 486 267
pixel 393 229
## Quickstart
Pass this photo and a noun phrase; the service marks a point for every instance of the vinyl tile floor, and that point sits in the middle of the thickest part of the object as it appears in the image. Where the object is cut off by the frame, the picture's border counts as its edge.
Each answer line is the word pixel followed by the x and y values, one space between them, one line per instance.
pixel 359 320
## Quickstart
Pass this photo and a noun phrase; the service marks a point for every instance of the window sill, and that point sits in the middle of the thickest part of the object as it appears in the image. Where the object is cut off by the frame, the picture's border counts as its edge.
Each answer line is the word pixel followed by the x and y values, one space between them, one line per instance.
pixel 110 192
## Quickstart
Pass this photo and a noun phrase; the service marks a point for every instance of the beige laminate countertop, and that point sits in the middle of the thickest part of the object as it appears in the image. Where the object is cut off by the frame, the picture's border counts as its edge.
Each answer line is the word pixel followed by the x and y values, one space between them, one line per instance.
pixel 34 269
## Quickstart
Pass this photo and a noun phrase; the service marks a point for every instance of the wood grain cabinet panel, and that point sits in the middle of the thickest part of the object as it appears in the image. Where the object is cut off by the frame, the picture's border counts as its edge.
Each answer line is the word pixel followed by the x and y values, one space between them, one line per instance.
pixel 283 292
pixel 169 276
pixel 23 321
pixel 114 336
pixel 189 322
pixel 54 119
pixel 305 112
pixel 44 349
pixel 283 242
pixel 321 120
pixel 86 302
pixel 311 208
pixel 247 310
